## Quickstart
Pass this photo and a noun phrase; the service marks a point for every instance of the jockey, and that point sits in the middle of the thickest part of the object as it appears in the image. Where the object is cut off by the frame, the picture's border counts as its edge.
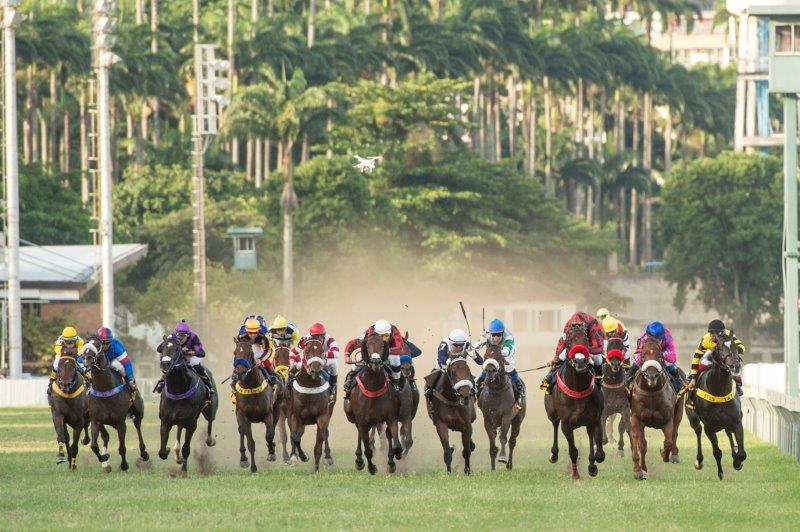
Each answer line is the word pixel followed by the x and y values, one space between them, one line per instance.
pixel 601 314
pixel 118 356
pixel 263 328
pixel 283 332
pixel 254 335
pixel 497 334
pixel 613 328
pixel 702 355
pixel 193 348
pixel 454 345
pixel 317 332
pixel 656 329
pixel 398 346
pixel 596 337
pixel 68 342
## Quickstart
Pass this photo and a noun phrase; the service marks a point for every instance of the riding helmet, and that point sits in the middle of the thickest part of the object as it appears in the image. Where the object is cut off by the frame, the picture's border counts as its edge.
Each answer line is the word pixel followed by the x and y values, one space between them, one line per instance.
pixel 655 328
pixel 105 334
pixel 602 313
pixel 317 329
pixel 610 324
pixel 252 325
pixel 496 326
pixel 182 327
pixel 716 326
pixel 69 334
pixel 382 327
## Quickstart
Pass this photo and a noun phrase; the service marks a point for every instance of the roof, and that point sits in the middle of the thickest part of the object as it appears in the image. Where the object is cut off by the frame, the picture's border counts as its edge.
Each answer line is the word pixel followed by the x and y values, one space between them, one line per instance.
pixel 63 273
pixel 765 7
pixel 243 231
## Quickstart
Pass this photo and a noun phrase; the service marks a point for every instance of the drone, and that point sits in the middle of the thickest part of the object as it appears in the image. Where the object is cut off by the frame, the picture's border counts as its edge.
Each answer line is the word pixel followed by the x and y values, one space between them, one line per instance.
pixel 367 164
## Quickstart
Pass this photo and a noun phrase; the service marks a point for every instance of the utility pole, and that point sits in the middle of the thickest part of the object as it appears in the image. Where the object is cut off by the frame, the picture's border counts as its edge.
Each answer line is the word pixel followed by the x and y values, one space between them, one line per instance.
pixel 210 84
pixel 13 295
pixel 104 25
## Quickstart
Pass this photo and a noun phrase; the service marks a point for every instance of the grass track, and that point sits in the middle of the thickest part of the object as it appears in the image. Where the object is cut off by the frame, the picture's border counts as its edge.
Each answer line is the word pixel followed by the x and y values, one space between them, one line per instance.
pixel 766 493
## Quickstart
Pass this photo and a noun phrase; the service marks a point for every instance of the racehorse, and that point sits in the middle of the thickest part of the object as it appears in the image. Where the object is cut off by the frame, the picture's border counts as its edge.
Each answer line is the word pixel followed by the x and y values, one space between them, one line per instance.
pixel 374 401
pixel 717 406
pixel 499 408
pixel 109 402
pixel 280 360
pixel 309 404
pixel 183 398
pixel 615 399
pixel 69 407
pixel 254 400
pixel 654 404
pixel 576 402
pixel 452 407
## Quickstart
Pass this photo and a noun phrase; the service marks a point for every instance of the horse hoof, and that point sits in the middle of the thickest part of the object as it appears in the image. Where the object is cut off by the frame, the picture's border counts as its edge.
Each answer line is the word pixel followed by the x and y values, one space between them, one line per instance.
pixel 145 456
pixel 104 457
pixel 592 470
pixel 294 460
pixel 620 453
pixel 605 441
pixel 674 459
pixel 61 459
pixel 183 473
pixel 721 475
pixel 502 458
pixel 123 466
pixel 467 471
pixel 392 468
pixel 360 465
pixel 327 462
pixel 576 476
pixel 253 468
pixel 303 457
pixel 698 465
pixel 164 454
pixel 737 466
pixel 398 454
pixel 85 441
pixel 73 466
pixel 105 467
pixel 211 442
pixel 553 458
pixel 244 464
pixel 509 466
pixel 271 457
pixel 643 475
pixel 600 456
pixel 372 469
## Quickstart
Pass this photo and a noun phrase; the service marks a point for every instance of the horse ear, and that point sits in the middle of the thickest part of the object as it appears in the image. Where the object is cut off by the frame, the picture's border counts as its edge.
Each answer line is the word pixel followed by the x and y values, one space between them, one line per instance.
pixel 406 336
pixel 364 350
pixel 385 350
pixel 235 340
pixel 164 336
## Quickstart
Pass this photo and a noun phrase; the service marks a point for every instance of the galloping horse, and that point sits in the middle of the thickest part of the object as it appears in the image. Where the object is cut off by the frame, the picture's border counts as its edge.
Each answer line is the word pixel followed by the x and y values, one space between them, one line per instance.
pixel 183 398
pixel 109 403
pixel 615 399
pixel 309 404
pixel 280 360
pixel 499 408
pixel 374 402
pixel 654 404
pixel 68 407
pixel 254 403
pixel 452 408
pixel 717 406
pixel 574 403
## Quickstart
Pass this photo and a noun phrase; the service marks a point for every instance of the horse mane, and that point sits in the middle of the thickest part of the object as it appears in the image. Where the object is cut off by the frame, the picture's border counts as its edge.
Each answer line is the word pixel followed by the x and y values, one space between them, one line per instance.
pixel 365 356
pixel 616 343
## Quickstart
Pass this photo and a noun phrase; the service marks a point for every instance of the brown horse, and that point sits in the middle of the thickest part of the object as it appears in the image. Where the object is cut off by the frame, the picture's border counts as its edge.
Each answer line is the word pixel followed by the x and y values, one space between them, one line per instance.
pixel 309 404
pixel 499 408
pixel 254 400
pixel 68 408
pixel 574 403
pixel 717 406
pixel 654 404
pixel 452 407
pixel 615 400
pixel 110 403
pixel 280 360
pixel 373 401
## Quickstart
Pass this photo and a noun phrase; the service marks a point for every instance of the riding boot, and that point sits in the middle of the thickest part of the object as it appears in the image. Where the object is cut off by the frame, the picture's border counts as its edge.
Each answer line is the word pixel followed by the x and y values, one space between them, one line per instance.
pixel 332 379
pixel 738 381
pixel 201 371
pixel 349 380
pixel 131 385
pixel 598 372
pixel 411 381
pixel 677 382
pixel 480 381
pixel 519 393
pixel 548 381
pixel 631 374
pixel 50 394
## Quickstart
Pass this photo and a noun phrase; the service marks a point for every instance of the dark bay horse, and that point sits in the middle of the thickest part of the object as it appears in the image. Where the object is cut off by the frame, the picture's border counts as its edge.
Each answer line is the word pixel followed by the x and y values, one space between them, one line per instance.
pixel 615 399
pixel 254 401
pixel 69 408
pixel 717 406
pixel 183 398
pixel 109 403
pixel 309 404
pixel 373 401
pixel 499 408
pixel 280 360
pixel 452 407
pixel 654 404
pixel 573 404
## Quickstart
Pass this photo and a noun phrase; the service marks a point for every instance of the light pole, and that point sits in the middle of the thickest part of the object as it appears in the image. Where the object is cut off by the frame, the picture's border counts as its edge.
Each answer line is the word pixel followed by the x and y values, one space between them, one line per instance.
pixel 13 296
pixel 103 27
pixel 210 85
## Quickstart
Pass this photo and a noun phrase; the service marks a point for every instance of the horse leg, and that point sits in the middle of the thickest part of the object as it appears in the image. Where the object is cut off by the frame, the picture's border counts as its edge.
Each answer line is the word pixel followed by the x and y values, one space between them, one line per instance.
pixel 251 445
pixel 408 437
pixel 573 451
pixel 503 440
pixel 163 452
pixel 86 423
pixel 321 436
pixel 466 442
pixel 643 453
pixel 187 440
pixel 607 423
pixel 282 422
pixel 590 431
pixel 491 432
pixel 554 448
pixel 516 423
pixel 740 454
pixel 72 447
pixel 61 437
pixel 363 432
pixel 669 438
pixel 712 436
pixel 297 438
pixel 106 437
pixel 327 459
pixel 444 437
pixel 398 446
pixel 137 423
pixel 177 447
pixel 121 430
pixel 270 437
pixel 390 436
pixel 240 421
pixel 210 441
pixel 359 455
pixel 637 433
pixel 623 426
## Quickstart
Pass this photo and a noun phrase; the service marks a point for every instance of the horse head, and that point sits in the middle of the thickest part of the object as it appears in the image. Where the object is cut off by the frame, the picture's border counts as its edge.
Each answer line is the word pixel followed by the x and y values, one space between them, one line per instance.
pixel 576 335
pixel 95 355
pixel 244 359
pixel 494 363
pixel 314 357
pixel 726 355
pixel 652 361
pixel 67 368
pixel 281 355
pixel 375 351
pixel 171 354
pixel 614 362
pixel 460 377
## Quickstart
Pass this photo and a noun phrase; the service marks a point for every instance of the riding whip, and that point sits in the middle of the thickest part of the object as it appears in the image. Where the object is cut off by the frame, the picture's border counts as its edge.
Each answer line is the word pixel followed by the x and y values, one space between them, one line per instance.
pixel 466 320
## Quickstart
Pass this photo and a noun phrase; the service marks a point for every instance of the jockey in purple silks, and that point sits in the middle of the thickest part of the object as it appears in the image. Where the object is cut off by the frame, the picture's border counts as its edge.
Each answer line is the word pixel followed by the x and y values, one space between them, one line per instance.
pixel 193 350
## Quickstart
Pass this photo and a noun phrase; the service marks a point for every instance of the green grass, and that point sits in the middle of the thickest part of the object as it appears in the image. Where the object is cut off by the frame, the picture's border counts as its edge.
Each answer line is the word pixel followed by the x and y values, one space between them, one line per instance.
pixel 35 493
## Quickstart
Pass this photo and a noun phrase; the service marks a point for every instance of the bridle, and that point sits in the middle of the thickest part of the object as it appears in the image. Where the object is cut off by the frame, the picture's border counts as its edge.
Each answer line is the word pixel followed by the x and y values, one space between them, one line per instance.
pixel 249 363
pixel 73 383
pixel 720 360
pixel 455 386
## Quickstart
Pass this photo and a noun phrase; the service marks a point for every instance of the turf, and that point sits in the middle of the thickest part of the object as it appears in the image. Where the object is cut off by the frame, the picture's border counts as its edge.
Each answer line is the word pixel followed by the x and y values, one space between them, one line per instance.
pixel 37 494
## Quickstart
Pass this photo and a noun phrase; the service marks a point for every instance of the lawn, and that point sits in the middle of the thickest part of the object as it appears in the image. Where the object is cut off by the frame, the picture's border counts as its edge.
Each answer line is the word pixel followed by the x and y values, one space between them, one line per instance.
pixel 35 493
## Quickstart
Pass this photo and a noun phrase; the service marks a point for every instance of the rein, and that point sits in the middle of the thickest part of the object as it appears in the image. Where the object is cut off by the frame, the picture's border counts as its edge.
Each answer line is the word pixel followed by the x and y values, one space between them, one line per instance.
pixel 373 394
pixel 181 396
pixel 575 394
